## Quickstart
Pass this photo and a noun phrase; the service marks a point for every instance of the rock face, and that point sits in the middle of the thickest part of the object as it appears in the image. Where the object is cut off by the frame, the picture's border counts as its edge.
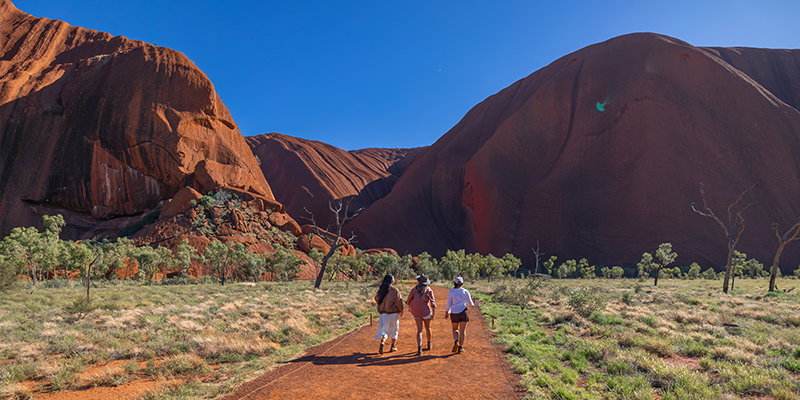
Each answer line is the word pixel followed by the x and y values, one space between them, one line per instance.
pixel 600 155
pixel 311 173
pixel 99 125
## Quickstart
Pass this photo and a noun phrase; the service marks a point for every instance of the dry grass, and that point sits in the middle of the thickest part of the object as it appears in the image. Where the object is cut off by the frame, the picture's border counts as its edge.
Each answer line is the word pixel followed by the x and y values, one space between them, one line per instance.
pixel 229 333
pixel 680 340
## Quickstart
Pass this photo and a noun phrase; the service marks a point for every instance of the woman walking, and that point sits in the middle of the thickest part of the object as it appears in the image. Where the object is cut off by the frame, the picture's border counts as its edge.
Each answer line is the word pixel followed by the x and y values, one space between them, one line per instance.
pixel 456 309
pixel 418 303
pixel 390 306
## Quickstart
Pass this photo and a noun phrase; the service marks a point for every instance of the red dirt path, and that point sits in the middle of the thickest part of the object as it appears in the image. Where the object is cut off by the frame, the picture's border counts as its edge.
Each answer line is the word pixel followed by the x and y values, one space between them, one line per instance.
pixel 349 367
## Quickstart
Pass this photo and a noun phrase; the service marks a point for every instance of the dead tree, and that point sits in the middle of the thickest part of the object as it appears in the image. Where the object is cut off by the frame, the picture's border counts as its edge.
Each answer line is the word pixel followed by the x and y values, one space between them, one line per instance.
pixel 334 239
pixel 538 255
pixel 734 229
pixel 789 236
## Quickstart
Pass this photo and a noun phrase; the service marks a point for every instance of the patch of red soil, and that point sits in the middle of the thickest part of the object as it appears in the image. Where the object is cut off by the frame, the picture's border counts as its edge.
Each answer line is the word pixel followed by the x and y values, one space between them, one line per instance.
pixel 681 361
pixel 350 366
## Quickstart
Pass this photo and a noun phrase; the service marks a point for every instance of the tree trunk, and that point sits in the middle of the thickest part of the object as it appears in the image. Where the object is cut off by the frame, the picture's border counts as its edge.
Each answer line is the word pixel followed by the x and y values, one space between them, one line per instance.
pixel 774 271
pixel 224 268
pixel 727 270
pixel 88 281
pixel 324 266
pixel 658 271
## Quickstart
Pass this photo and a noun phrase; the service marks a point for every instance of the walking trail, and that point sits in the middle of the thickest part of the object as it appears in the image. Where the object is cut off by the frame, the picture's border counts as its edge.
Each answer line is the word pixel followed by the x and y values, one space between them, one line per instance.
pixel 349 367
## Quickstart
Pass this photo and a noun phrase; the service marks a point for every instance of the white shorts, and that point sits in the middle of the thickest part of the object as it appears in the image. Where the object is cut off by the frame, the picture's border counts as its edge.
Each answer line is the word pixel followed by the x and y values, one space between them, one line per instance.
pixel 388 325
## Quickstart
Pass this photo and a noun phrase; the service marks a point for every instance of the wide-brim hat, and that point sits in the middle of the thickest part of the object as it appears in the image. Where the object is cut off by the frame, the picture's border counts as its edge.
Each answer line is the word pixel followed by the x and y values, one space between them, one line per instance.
pixel 423 279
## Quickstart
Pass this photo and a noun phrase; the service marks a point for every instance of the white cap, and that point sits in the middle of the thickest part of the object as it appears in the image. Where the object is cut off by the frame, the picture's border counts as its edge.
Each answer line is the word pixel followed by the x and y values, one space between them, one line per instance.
pixel 459 280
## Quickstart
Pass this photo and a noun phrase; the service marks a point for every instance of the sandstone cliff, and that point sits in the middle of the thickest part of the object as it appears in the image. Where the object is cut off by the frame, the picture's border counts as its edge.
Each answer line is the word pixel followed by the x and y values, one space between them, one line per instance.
pixel 311 173
pixel 601 153
pixel 96 126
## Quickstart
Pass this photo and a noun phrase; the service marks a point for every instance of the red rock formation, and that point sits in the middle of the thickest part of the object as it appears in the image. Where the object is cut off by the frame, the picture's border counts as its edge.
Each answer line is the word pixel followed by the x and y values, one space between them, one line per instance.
pixel 600 154
pixel 97 124
pixel 311 173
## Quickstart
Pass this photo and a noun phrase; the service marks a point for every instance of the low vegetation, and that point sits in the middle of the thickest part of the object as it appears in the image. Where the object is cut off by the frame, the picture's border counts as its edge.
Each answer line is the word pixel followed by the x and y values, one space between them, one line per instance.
pixel 622 339
pixel 210 337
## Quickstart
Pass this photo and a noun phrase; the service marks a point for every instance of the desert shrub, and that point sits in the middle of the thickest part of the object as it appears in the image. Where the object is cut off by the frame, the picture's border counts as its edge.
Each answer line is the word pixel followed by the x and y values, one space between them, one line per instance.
pixel 586 300
pixel 694 271
pixel 519 295
pixel 7 274
pixel 627 298
pixel 797 272
pixel 710 274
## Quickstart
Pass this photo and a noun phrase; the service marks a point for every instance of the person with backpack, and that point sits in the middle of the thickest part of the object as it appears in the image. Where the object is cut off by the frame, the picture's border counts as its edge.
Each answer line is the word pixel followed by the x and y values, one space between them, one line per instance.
pixel 456 310
pixel 422 305
pixel 390 306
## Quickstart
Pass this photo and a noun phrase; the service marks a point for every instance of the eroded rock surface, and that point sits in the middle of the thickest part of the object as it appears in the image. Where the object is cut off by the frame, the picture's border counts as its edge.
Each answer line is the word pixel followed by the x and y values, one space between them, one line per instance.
pixel 96 126
pixel 600 155
pixel 311 173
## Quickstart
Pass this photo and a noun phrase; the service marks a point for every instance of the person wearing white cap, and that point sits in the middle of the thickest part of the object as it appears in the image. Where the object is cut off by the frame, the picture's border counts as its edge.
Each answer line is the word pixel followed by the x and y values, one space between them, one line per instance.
pixel 456 310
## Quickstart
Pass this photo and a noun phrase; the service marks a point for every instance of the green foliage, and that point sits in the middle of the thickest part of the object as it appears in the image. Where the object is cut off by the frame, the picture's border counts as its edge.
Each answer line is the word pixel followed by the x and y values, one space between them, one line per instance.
pixel 627 298
pixel 150 260
pixel 587 271
pixel 8 274
pixel 548 265
pixel 184 256
pixel 283 263
pixel 586 300
pixel 654 265
pixel 694 271
pixel 710 274
pixel 567 269
pixel 31 251
pixel 429 266
pixel 520 295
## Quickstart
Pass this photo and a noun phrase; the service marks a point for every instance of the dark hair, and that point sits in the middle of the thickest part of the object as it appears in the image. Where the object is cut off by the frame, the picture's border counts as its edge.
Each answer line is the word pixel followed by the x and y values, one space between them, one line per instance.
pixel 458 285
pixel 384 289
pixel 420 288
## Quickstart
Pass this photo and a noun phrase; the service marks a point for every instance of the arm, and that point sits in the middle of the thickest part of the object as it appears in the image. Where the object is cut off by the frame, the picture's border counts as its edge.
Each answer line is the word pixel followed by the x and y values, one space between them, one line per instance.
pixel 469 299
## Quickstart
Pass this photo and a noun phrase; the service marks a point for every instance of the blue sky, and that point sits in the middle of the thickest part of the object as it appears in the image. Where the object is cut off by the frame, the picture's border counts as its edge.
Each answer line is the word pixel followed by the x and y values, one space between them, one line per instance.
pixel 381 73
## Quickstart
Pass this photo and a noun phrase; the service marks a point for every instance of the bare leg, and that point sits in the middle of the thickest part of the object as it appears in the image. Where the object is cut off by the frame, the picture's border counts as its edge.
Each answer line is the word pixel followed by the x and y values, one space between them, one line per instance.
pixel 427 328
pixel 462 328
pixel 419 331
pixel 455 330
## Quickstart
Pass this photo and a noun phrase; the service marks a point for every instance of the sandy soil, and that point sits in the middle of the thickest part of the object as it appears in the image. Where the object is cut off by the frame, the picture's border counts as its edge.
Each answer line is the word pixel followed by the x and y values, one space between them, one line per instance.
pixel 350 367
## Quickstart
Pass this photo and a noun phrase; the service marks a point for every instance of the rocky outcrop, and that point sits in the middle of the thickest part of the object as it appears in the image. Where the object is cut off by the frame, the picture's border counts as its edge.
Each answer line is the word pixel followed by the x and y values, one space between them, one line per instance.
pixel 600 155
pixel 96 126
pixel 310 173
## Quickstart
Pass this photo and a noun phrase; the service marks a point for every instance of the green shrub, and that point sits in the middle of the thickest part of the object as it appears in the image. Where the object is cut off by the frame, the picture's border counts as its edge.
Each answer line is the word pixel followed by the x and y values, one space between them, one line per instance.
pixel 627 298
pixel 586 300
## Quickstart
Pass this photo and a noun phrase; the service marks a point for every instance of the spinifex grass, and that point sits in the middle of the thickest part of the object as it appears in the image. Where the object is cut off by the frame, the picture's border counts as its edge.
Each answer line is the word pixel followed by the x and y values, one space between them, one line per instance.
pixel 680 340
pixel 222 334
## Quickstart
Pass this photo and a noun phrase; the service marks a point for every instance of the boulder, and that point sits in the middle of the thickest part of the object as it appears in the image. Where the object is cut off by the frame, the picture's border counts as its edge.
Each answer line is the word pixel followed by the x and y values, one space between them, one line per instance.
pixel 181 202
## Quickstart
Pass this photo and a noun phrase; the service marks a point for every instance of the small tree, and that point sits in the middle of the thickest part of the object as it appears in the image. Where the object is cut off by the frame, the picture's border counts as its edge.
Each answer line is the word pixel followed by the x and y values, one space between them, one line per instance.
pixel 184 256
pixel 587 271
pixel 734 228
pixel 284 264
pixel 334 239
pixel 548 265
pixel 789 236
pixel 694 271
pixel 617 272
pixel 538 253
pixel 567 269
pixel 664 257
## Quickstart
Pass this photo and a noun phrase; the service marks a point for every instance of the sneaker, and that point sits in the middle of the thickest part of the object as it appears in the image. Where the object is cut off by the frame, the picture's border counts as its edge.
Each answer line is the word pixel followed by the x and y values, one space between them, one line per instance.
pixel 429 346
pixel 455 346
pixel 393 349
pixel 380 349
pixel 460 349
pixel 419 350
